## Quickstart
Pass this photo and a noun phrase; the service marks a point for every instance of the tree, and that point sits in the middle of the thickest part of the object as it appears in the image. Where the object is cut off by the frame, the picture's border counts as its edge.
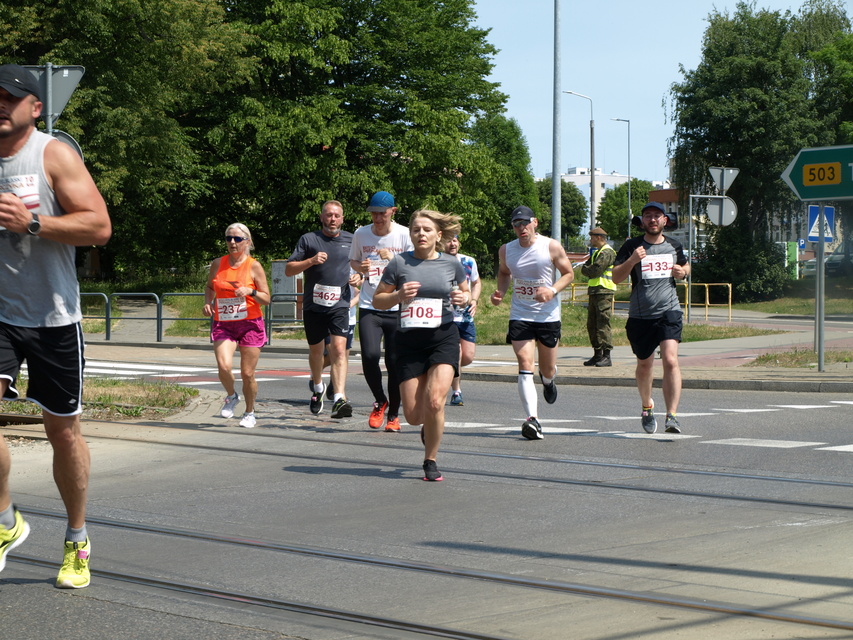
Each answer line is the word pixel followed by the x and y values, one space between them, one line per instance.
pixel 613 209
pixel 574 207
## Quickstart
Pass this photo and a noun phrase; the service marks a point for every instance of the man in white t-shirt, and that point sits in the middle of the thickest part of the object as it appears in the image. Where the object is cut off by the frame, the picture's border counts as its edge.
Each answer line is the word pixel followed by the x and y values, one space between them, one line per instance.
pixel 373 247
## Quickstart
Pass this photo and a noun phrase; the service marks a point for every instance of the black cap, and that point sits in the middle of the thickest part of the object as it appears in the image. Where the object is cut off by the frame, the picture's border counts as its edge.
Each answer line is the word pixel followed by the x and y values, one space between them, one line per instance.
pixel 522 213
pixel 18 81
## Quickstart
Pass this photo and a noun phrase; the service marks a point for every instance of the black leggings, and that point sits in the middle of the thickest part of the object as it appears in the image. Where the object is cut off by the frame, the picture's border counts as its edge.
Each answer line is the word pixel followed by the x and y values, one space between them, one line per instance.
pixel 372 327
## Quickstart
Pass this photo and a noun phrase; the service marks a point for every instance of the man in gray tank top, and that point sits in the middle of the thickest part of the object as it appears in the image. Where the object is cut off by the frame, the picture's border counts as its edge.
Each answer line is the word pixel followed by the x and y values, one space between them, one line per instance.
pixel 49 205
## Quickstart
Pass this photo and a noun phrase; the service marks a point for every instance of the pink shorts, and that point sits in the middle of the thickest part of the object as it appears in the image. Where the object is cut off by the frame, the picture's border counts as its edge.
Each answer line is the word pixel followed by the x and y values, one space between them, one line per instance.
pixel 246 333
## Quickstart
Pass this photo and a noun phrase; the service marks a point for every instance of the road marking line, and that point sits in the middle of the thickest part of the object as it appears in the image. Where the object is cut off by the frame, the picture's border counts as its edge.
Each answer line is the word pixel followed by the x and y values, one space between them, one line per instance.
pixel 755 442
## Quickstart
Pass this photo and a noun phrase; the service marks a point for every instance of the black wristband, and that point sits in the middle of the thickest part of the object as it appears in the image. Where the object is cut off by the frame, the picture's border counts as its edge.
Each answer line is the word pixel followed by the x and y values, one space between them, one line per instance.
pixel 254 293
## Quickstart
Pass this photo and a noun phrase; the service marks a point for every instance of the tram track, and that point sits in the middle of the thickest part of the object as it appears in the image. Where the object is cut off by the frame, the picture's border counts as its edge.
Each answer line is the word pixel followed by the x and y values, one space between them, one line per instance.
pixel 446 571
pixel 541 479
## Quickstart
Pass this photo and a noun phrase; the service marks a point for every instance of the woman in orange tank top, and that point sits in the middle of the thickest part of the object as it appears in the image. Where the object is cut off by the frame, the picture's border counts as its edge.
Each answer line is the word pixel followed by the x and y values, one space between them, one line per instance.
pixel 236 289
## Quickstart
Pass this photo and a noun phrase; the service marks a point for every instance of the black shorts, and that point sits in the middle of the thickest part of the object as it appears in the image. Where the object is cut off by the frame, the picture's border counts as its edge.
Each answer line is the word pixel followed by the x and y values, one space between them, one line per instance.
pixel 318 325
pixel 54 357
pixel 420 349
pixel 646 335
pixel 546 333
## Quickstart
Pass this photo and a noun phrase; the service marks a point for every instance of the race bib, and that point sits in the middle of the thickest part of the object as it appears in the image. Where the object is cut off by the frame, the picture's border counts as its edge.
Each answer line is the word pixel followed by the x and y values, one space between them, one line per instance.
pixel 326 295
pixel 655 267
pixel 375 271
pixel 421 313
pixel 526 289
pixel 228 309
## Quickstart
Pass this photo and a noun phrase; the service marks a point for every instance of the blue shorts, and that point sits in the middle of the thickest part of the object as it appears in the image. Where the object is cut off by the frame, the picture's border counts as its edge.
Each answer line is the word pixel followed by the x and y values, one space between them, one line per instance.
pixel 467 331
pixel 246 333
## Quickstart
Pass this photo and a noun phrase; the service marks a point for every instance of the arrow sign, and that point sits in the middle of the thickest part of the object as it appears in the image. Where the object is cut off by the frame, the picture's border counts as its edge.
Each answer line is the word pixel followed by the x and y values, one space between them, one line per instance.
pixel 821 173
pixel 814 223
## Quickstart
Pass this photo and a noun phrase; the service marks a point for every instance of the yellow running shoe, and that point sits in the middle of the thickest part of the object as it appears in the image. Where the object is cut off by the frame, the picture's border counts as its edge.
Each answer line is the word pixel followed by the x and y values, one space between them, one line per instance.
pixel 74 573
pixel 11 538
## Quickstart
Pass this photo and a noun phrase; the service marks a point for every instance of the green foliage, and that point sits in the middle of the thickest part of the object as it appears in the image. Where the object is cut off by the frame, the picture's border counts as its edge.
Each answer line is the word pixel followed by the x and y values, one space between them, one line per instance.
pixel 613 208
pixel 746 105
pixel 574 207
pixel 754 267
pixel 194 114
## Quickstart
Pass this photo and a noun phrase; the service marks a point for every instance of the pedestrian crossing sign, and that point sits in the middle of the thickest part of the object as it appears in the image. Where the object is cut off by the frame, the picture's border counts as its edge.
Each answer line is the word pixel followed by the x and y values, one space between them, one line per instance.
pixel 814 223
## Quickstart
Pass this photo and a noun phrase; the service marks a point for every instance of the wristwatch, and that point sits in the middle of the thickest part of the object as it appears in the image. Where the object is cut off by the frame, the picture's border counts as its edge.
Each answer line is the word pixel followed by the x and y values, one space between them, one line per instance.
pixel 34 227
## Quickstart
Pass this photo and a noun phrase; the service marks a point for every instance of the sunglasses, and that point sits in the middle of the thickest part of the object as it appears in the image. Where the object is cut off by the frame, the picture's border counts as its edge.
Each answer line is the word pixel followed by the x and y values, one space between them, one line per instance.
pixel 237 239
pixel 520 223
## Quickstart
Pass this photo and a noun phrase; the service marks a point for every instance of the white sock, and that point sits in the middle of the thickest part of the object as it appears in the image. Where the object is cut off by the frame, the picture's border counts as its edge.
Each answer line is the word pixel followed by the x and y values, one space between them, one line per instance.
pixel 319 388
pixel 338 396
pixel 527 393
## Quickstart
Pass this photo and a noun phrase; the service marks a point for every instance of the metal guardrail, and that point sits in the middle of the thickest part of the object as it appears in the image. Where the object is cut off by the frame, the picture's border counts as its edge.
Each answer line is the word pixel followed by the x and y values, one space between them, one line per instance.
pixel 578 294
pixel 158 301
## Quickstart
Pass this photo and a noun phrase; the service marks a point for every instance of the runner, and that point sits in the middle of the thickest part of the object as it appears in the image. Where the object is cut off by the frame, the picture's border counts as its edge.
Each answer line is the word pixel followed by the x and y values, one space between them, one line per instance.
pixel 426 284
pixel 464 317
pixel 373 247
pixel 530 263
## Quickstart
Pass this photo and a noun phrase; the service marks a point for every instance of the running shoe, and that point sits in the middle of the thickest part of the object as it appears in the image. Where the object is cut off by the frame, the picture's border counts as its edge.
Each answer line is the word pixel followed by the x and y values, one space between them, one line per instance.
pixel 549 390
pixel 11 538
pixel 431 471
pixel 393 424
pixel 341 408
pixel 248 420
pixel 74 573
pixel 316 403
pixel 330 392
pixel 456 399
pixel 648 420
pixel 531 429
pixel 228 408
pixel 671 425
pixel 377 416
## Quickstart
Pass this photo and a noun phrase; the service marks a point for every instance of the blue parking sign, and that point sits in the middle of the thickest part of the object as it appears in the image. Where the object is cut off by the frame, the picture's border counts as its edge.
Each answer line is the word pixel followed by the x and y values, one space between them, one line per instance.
pixel 814 218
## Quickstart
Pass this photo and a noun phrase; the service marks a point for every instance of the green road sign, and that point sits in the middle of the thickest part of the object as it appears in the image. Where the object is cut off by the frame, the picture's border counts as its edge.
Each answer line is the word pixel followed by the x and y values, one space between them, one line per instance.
pixel 822 173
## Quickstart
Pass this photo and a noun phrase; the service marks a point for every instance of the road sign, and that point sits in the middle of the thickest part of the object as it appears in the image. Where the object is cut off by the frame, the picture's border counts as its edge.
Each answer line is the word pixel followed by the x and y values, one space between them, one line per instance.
pixel 723 177
pixel 814 223
pixel 801 243
pixel 722 210
pixel 59 85
pixel 821 173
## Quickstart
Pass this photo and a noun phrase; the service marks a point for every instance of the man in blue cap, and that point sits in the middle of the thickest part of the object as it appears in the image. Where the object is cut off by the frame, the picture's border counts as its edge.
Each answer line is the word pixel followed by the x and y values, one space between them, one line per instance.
pixel 373 246
pixel 655 262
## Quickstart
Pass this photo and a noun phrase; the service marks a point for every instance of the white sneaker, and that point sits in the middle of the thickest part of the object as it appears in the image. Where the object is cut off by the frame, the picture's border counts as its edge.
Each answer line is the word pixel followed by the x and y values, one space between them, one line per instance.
pixel 228 407
pixel 248 420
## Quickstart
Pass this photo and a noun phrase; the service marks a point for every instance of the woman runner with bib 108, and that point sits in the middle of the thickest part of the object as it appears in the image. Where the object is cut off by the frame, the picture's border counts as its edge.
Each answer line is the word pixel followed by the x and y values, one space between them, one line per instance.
pixel 236 289
pixel 427 284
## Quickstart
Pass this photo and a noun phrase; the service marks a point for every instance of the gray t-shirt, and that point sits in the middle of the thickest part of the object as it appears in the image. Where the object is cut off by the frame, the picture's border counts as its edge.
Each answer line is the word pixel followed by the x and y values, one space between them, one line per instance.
pixel 325 286
pixel 437 278
pixel 653 290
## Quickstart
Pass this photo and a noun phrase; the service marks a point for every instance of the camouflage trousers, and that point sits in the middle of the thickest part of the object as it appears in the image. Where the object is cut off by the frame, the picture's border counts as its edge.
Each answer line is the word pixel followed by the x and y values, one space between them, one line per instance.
pixel 599 311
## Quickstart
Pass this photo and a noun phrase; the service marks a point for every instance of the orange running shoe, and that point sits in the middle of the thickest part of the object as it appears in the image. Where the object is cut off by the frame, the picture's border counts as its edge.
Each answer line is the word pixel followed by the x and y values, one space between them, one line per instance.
pixel 393 424
pixel 377 416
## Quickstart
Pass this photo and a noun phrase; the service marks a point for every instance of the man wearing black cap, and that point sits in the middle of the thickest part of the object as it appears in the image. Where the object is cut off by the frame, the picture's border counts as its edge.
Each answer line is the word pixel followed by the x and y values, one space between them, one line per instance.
pixel 600 290
pixel 49 205
pixel 655 262
pixel 530 263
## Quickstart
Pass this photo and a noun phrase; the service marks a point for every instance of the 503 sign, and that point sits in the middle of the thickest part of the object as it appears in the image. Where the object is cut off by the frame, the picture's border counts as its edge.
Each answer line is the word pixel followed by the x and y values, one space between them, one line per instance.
pixel 820 174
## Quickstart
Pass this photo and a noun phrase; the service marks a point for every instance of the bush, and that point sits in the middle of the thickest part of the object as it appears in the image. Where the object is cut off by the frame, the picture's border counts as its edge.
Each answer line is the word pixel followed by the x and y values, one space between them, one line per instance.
pixel 754 267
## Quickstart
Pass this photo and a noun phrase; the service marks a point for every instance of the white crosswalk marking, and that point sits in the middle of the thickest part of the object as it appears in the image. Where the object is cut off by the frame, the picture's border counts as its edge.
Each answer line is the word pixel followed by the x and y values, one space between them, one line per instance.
pixel 755 442
pixel 803 406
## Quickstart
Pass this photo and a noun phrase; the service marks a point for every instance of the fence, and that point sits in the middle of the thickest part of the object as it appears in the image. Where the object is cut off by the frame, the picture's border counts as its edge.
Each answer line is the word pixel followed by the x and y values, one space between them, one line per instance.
pixel 578 294
pixel 158 317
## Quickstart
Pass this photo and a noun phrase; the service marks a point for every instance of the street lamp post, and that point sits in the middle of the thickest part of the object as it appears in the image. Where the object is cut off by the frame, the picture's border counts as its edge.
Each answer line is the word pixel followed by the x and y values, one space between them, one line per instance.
pixel 629 173
pixel 591 159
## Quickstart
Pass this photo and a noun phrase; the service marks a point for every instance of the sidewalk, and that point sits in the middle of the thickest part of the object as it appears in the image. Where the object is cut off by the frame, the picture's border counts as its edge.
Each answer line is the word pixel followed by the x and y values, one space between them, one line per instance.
pixel 713 364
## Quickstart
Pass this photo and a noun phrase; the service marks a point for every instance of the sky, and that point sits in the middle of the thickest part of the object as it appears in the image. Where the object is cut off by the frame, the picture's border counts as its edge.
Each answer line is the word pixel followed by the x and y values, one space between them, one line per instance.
pixel 624 54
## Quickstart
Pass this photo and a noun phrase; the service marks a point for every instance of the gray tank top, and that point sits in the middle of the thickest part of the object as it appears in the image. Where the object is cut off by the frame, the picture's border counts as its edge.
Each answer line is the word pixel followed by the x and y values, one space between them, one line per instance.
pixel 38 279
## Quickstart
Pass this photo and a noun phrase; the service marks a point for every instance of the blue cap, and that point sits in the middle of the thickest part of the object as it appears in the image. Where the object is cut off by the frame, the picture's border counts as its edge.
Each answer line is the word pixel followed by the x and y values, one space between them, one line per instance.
pixel 18 81
pixel 522 213
pixel 380 201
